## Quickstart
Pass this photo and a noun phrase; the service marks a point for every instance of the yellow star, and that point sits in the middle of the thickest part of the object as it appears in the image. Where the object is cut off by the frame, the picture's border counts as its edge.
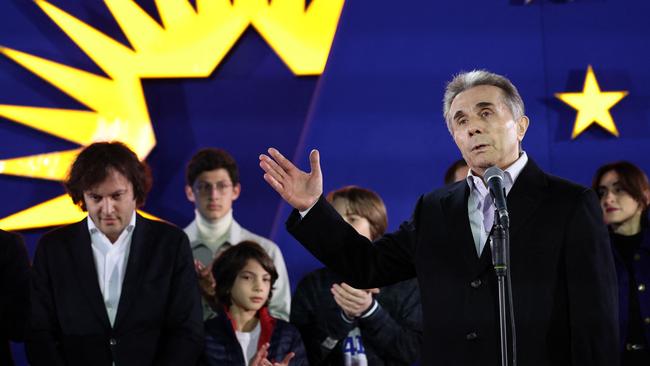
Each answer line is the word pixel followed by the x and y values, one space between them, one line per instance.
pixel 592 105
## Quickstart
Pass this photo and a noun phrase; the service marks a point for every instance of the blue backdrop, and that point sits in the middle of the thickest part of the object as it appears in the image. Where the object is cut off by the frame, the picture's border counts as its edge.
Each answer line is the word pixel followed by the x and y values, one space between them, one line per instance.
pixel 375 113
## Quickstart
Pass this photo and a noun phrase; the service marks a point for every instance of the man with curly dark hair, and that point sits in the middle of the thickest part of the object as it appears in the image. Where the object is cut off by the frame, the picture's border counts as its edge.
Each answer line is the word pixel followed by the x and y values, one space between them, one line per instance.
pixel 115 288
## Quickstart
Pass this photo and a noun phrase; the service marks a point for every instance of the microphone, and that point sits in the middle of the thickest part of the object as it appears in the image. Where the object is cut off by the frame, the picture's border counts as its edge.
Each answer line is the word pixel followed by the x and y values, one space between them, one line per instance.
pixel 494 179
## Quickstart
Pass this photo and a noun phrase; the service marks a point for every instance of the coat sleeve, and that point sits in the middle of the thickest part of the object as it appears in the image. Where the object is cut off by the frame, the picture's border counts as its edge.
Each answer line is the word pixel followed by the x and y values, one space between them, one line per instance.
pixel 14 282
pixel 44 335
pixel 182 335
pixel 338 245
pixel 591 285
pixel 320 326
pixel 396 335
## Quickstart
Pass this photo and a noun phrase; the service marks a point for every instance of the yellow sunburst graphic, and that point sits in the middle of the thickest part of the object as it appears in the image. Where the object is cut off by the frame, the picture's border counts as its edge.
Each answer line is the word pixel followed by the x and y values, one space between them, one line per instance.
pixel 190 43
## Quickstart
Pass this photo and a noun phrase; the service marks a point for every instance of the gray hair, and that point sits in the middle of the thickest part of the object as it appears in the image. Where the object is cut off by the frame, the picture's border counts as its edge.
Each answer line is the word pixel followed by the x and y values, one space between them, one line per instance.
pixel 467 80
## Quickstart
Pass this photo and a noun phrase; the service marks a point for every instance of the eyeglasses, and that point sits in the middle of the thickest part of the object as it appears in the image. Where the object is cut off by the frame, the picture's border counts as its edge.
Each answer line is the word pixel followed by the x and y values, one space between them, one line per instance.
pixel 205 188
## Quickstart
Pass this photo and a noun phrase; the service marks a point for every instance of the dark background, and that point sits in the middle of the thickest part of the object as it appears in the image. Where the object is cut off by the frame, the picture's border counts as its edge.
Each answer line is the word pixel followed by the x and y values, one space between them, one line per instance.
pixel 375 113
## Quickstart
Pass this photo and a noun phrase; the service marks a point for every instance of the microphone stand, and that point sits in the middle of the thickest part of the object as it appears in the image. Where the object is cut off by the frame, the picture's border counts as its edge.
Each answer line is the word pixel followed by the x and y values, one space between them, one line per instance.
pixel 500 261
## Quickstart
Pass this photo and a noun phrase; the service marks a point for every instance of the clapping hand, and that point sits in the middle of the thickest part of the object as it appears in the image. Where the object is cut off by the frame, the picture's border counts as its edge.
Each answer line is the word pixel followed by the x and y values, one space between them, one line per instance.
pixel 352 301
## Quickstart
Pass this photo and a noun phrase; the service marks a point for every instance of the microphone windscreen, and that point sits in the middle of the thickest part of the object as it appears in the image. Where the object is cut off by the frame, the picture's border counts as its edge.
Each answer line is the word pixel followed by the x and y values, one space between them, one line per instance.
pixel 492 173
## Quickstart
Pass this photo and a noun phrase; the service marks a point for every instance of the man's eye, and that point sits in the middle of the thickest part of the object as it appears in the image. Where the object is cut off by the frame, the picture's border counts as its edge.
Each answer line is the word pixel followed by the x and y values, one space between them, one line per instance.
pixel 486 113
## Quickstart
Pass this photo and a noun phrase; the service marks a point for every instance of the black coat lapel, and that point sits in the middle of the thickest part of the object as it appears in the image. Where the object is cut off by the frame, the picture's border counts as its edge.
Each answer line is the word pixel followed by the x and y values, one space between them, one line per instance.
pixel 84 265
pixel 454 207
pixel 523 200
pixel 141 243
pixel 525 196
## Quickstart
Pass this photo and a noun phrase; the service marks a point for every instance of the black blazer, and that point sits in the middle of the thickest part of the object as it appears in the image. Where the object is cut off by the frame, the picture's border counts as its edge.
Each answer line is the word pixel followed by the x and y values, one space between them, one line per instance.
pixel 563 276
pixel 158 321
pixel 14 293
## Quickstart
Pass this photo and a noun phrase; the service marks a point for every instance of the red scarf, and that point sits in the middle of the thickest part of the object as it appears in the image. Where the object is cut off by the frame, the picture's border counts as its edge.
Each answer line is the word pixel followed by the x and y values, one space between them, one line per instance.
pixel 267 323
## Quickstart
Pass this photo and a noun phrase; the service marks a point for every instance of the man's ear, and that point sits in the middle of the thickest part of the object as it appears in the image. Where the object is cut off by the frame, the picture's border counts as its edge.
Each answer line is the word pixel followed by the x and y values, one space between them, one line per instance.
pixel 189 193
pixel 522 127
pixel 236 189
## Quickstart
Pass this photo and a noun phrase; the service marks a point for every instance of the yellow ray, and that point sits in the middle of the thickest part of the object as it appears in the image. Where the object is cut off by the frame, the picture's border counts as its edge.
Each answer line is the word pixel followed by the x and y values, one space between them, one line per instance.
pixel 94 91
pixel 109 55
pixel 80 126
pixel 52 166
pixel 140 29
pixel 301 38
pixel 175 13
pixel 55 212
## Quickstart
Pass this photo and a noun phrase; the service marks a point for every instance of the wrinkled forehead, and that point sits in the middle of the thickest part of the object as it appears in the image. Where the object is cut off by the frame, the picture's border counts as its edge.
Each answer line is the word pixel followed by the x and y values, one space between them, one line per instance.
pixel 477 97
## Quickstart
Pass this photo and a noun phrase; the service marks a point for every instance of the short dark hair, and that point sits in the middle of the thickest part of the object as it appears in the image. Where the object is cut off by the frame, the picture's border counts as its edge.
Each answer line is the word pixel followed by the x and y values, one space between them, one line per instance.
pixel 228 264
pixel 450 174
pixel 208 159
pixel 365 203
pixel 630 178
pixel 93 165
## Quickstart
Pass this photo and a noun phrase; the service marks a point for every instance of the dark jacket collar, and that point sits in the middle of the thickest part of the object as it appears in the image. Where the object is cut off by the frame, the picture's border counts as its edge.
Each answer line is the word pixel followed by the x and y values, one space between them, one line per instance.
pixel 523 199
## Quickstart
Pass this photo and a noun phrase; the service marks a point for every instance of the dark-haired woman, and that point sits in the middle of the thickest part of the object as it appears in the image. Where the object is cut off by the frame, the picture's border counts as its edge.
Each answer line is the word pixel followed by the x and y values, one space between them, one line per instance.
pixel 243 332
pixel 624 198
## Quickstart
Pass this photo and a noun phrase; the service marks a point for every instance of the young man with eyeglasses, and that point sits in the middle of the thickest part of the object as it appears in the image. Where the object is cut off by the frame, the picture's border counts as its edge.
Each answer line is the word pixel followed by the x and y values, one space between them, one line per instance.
pixel 213 185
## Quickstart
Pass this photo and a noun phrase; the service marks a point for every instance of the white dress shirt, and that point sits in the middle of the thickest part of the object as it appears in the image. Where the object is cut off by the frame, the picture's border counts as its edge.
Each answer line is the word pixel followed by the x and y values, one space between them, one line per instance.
pixel 480 196
pixel 110 261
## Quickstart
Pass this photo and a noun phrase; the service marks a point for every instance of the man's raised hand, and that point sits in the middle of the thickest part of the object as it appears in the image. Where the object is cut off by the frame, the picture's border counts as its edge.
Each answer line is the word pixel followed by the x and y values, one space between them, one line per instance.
pixel 300 189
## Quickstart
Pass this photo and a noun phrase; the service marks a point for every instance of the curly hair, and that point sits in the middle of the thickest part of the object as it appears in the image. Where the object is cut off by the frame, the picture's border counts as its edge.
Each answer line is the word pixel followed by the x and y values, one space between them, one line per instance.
pixel 95 162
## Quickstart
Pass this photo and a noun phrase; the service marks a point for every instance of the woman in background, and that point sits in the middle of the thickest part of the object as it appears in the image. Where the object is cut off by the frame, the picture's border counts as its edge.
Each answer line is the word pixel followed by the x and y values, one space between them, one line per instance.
pixel 624 197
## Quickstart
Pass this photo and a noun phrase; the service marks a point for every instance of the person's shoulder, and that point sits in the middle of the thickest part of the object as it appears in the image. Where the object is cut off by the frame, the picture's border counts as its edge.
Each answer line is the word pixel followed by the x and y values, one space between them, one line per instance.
pixel 439 193
pixel 564 188
pixel 168 232
pixel 265 243
pixel 284 327
pixel 64 232
pixel 159 225
pixel 9 237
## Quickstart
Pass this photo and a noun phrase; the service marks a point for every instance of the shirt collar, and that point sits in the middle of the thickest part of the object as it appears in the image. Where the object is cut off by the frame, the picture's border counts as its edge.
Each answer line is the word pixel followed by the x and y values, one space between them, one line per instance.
pixel 511 173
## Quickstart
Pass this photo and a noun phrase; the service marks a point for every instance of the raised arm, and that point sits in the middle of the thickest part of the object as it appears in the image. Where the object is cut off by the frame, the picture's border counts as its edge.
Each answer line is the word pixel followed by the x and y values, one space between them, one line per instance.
pixel 300 189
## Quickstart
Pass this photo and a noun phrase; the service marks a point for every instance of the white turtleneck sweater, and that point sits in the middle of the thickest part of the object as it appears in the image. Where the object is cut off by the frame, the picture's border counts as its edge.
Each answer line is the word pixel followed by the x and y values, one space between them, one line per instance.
pixel 213 234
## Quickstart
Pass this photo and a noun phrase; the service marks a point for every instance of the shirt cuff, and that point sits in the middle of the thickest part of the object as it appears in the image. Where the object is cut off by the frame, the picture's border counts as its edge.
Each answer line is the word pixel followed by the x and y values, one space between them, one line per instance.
pixel 304 213
pixel 346 318
pixel 371 310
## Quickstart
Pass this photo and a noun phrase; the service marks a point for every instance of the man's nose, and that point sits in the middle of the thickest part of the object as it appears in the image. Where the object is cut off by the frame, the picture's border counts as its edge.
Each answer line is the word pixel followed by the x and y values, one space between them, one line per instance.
pixel 108 205
pixel 474 126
